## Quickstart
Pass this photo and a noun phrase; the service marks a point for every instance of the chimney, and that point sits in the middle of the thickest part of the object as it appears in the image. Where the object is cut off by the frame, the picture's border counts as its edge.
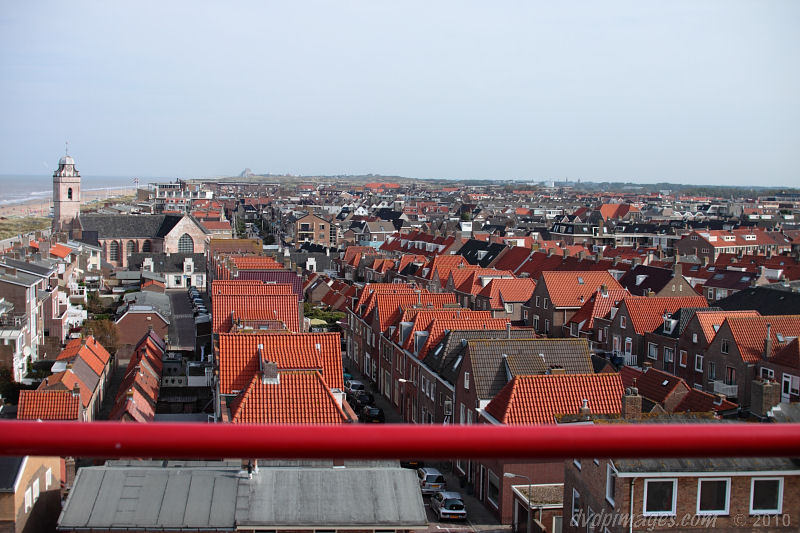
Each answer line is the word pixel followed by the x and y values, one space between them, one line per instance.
pixel 508 330
pixel 677 268
pixel 584 410
pixel 269 373
pixel 765 394
pixel 76 390
pixel 767 343
pixel 557 371
pixel 631 404
pixel 604 290
pixel 129 394
pixel 647 365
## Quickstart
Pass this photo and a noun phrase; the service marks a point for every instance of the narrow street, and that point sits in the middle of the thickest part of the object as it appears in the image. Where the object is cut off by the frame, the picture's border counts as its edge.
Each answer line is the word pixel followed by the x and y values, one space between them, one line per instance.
pixel 479 518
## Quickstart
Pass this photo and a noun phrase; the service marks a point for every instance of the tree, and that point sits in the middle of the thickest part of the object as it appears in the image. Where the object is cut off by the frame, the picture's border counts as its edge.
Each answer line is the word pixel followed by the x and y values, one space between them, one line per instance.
pixel 105 332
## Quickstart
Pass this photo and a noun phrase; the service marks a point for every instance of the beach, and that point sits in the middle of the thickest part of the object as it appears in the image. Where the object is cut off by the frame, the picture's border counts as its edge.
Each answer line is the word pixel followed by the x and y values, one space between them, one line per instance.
pixel 40 206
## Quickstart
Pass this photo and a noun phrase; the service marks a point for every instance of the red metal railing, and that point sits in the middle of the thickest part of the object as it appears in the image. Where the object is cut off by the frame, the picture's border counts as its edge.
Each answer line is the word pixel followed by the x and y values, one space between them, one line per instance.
pixel 208 441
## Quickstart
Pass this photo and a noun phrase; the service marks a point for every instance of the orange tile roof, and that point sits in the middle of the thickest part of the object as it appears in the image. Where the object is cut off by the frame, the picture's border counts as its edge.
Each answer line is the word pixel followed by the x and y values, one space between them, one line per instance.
pixel 598 306
pixel 284 306
pixel 48 405
pixel 502 291
pixel 389 307
pixel 474 281
pixel 297 398
pixel 60 251
pixel 66 381
pixel 647 312
pixel 572 289
pixel 710 321
pixel 655 385
pixel 439 327
pixel 538 399
pixel 89 350
pixel 371 289
pixel 789 355
pixel 697 401
pixel 749 334
pixel 216 224
pixel 243 287
pixel 421 318
pixel 239 361
pixel 443 264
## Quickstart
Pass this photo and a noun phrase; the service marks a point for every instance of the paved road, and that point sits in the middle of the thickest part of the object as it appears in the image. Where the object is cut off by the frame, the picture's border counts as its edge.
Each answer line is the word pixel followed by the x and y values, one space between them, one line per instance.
pixel 181 328
pixel 478 517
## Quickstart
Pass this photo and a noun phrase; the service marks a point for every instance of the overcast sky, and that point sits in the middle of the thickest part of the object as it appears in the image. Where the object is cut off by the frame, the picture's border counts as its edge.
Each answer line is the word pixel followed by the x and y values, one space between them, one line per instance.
pixel 680 91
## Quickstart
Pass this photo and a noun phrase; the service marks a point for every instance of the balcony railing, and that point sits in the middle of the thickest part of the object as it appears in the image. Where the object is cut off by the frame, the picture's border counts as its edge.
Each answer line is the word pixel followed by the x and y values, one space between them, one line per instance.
pixel 731 391
pixel 397 441
pixel 631 359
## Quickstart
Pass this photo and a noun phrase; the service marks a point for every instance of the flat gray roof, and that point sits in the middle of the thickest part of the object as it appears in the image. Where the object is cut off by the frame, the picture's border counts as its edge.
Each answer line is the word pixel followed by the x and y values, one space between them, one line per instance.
pixel 205 495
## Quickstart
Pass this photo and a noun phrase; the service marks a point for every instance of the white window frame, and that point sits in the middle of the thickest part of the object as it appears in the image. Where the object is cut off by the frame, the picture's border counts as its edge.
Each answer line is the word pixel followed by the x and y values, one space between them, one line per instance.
pixel 509 308
pixel 681 360
pixel 546 303
pixel 652 350
pixel 574 513
pixel 767 373
pixel 669 354
pixel 698 362
pixel 35 488
pixel 577 463
pixel 489 477
pixel 466 380
pixel 779 510
pixel 724 511
pixel 48 478
pixel 622 322
pixel 674 481
pixel 610 472
pixel 28 500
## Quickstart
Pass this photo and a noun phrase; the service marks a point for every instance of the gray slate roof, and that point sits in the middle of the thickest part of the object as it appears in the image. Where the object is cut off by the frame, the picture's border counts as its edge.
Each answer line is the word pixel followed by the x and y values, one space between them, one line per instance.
pixel 129 226
pixel 446 362
pixel 9 469
pixel 206 495
pixel 491 370
pixel 710 465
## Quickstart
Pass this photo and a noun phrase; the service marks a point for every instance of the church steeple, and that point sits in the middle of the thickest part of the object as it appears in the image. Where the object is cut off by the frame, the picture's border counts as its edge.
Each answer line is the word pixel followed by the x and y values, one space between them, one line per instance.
pixel 66 194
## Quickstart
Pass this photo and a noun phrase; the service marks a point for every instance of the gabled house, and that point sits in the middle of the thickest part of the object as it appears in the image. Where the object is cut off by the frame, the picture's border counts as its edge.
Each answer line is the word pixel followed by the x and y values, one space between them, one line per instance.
pixel 537 399
pixel 559 295
pixel 642 280
pixel 663 392
pixel 733 360
pixel 638 315
pixel 245 360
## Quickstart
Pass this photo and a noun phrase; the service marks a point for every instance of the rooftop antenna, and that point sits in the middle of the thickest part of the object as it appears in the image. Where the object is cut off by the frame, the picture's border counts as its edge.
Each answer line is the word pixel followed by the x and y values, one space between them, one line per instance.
pixel 66 147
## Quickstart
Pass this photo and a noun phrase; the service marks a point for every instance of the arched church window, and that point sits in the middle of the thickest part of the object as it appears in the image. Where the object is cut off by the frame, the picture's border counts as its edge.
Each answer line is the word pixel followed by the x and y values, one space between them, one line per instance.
pixel 130 248
pixel 113 251
pixel 186 244
pixel 69 193
pixel 147 246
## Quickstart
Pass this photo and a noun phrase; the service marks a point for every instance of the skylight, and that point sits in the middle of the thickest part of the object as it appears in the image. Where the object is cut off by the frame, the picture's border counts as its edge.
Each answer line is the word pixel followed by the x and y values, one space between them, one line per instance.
pixel 580 280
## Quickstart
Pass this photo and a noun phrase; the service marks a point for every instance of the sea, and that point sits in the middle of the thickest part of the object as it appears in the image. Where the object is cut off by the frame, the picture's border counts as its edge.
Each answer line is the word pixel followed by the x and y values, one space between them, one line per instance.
pixel 17 189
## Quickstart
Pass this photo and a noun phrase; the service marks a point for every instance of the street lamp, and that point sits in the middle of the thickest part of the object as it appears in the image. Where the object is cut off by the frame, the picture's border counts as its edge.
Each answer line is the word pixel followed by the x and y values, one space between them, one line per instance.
pixel 530 487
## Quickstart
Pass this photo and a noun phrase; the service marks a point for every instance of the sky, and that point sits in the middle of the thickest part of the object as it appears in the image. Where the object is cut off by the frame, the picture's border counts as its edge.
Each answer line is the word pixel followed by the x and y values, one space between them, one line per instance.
pixel 691 91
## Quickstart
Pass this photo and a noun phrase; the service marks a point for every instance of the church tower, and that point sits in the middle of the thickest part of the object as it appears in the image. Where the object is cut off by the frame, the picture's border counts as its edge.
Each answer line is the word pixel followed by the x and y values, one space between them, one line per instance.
pixel 66 195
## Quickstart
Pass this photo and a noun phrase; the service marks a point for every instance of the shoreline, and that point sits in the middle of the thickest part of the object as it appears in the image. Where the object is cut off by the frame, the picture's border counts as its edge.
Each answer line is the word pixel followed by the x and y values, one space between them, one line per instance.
pixel 40 207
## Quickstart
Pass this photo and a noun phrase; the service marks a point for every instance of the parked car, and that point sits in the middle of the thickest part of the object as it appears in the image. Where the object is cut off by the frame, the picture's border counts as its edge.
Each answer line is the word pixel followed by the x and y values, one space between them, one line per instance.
pixel 347 375
pixel 370 414
pixel 431 480
pixel 360 400
pixel 448 505
pixel 352 386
